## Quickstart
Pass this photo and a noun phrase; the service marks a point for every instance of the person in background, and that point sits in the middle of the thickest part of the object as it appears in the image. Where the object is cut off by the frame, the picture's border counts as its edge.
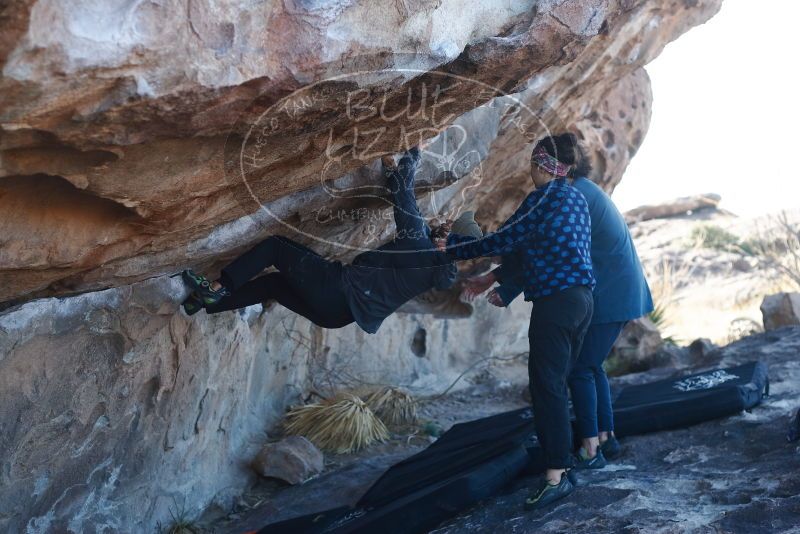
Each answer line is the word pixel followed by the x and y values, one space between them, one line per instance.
pixel 550 234
pixel 621 294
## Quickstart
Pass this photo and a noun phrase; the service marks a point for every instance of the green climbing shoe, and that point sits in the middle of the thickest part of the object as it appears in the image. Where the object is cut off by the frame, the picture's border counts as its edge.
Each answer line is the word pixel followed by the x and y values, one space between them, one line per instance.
pixel 611 448
pixel 192 304
pixel 547 493
pixel 582 460
pixel 201 286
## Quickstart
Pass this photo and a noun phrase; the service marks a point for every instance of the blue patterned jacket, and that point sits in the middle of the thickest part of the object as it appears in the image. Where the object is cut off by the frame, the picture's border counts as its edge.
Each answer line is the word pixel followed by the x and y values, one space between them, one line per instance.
pixel 551 234
pixel 621 293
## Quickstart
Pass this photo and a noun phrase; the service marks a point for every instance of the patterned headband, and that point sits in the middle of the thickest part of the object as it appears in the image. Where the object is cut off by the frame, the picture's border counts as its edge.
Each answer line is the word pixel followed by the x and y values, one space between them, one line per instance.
pixel 548 163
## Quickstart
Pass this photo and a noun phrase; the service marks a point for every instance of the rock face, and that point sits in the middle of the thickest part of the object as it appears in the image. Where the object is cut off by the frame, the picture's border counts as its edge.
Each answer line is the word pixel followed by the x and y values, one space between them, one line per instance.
pixel 114 406
pixel 114 140
pixel 781 310
pixel 137 139
pixel 293 460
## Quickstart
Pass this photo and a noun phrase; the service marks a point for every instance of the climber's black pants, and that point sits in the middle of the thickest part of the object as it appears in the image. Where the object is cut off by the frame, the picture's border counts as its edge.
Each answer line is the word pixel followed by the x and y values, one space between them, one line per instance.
pixel 558 325
pixel 306 283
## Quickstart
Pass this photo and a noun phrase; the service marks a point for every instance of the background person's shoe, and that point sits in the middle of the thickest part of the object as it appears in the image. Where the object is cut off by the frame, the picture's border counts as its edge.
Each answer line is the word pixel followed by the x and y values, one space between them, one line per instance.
pixel 547 493
pixel 192 304
pixel 573 477
pixel 201 286
pixel 611 448
pixel 583 462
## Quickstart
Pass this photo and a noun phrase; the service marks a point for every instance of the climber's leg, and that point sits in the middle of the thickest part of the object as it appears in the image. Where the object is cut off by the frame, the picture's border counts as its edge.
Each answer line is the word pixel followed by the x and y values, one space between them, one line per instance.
pixel 275 286
pixel 274 251
pixel 307 284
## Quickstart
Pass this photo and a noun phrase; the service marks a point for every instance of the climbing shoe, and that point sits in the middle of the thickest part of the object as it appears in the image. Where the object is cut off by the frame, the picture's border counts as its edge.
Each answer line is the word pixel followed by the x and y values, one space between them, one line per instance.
pixel 201 286
pixel 611 448
pixel 192 304
pixel 573 477
pixel 582 460
pixel 389 165
pixel 547 493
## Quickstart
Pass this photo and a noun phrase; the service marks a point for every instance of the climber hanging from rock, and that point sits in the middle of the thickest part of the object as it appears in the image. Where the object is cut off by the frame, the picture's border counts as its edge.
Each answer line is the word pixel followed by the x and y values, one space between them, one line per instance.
pixel 331 294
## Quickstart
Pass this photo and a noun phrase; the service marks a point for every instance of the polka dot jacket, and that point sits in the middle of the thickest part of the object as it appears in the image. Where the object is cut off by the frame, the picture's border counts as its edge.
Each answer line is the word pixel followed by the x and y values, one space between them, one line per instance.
pixel 550 231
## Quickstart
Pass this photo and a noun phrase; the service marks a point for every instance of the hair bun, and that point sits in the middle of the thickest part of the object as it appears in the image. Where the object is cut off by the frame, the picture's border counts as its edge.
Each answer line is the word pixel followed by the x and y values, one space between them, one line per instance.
pixel 563 147
pixel 567 148
pixel 568 139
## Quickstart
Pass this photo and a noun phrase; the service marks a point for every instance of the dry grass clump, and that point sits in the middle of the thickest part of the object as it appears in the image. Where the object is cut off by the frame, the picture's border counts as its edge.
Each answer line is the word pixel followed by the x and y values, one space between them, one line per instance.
pixel 181 522
pixel 664 280
pixel 341 424
pixel 393 406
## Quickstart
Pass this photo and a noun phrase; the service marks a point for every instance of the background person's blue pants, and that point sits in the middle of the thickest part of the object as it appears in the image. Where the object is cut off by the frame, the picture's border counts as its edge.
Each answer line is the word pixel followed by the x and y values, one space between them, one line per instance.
pixel 588 383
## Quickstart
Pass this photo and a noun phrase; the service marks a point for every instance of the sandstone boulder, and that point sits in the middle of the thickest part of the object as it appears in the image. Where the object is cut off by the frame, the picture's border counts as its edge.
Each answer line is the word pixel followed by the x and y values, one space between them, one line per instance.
pixel 293 459
pixel 637 348
pixel 121 148
pixel 782 309
pixel 679 206
pixel 700 348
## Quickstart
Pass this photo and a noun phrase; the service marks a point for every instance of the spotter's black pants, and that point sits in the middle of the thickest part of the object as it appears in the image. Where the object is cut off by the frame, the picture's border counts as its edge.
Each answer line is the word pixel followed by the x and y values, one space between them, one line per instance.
pixel 558 325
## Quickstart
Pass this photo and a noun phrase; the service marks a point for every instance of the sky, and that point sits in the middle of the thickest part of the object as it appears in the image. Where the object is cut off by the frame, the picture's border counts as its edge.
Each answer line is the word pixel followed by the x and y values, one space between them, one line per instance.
pixel 726 113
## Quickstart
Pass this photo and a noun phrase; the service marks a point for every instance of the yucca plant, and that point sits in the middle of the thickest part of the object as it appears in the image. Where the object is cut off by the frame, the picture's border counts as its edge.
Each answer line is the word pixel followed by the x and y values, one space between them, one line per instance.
pixel 181 522
pixel 393 406
pixel 342 424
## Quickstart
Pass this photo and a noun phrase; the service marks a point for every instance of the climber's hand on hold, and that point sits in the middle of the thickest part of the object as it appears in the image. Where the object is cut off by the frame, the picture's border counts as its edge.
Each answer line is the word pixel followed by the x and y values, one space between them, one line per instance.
pixel 439 235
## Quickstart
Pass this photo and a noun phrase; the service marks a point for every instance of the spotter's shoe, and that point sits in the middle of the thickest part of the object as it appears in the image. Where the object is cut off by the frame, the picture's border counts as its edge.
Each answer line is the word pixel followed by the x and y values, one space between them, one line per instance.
pixel 582 461
pixel 611 448
pixel 547 493
pixel 573 477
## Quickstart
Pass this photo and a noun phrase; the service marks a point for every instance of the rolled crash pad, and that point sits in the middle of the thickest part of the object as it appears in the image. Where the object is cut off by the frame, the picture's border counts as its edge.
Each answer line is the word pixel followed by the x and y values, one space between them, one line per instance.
pixel 689 400
pixel 417 511
pixel 461 448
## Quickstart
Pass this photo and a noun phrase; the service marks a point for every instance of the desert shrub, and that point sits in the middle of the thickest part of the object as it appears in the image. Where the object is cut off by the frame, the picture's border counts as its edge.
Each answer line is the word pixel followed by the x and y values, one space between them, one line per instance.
pixel 393 406
pixel 777 247
pixel 716 238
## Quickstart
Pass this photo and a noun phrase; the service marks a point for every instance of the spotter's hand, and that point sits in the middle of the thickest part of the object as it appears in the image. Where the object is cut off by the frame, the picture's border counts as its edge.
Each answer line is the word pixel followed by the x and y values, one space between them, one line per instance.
pixel 494 299
pixel 476 286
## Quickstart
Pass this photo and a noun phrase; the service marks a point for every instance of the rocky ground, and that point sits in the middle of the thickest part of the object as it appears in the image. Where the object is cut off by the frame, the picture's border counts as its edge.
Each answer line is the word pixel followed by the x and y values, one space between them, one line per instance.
pixel 737 474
